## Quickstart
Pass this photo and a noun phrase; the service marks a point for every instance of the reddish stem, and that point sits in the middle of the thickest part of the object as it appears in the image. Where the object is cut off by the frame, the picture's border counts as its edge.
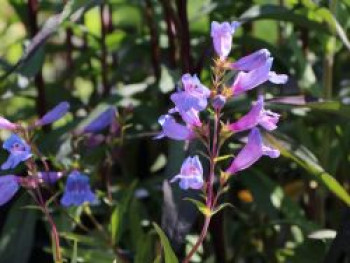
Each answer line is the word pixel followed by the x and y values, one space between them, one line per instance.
pixel 211 199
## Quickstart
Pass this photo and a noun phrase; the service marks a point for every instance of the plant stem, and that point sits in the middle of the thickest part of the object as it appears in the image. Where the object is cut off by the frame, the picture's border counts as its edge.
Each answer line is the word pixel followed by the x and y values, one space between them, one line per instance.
pixel 54 231
pixel 199 240
pixel 213 153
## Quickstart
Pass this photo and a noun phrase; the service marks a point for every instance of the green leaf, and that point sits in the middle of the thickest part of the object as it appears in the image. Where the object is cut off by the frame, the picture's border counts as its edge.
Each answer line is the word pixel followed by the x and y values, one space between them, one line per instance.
pixel 18 232
pixel 281 13
pixel 169 254
pixel 117 218
pixel 302 156
pixel 220 207
pixel 74 258
pixel 201 206
pixel 270 199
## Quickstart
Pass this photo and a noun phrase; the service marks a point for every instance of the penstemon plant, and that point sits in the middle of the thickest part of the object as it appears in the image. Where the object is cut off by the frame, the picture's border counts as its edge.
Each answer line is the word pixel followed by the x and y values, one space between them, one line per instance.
pixel 194 98
pixel 22 148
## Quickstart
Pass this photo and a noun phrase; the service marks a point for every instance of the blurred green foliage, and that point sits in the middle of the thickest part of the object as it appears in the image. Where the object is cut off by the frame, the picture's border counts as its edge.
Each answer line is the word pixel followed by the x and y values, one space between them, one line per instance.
pixel 131 53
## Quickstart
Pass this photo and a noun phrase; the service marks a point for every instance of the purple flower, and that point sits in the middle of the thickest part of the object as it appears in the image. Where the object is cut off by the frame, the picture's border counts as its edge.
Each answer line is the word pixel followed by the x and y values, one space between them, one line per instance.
pixel 247 81
pixel 53 115
pixel 222 37
pixel 19 151
pixel 218 102
pixel 191 174
pixel 102 121
pixel 77 190
pixel 252 61
pixel 173 130
pixel 7 125
pixel 8 188
pixel 194 95
pixel 49 177
pixel 251 152
pixel 257 115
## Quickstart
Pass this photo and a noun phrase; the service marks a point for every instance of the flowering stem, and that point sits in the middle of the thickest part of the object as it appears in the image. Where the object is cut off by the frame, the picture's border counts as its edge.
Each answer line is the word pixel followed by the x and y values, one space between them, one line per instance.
pixel 210 201
pixel 54 232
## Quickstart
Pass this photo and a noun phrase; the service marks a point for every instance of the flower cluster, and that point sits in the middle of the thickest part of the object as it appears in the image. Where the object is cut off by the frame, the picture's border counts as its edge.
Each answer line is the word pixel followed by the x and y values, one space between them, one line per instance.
pixel 77 190
pixel 183 121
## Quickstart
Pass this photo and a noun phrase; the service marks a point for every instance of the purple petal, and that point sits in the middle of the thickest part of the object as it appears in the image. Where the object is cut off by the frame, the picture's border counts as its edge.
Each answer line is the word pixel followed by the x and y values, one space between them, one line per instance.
pixel 8 188
pixel 19 151
pixel 278 78
pixel 218 102
pixel 222 37
pixel 249 154
pixel 257 115
pixel 77 190
pixel 191 174
pixel 252 61
pixel 247 81
pixel 250 120
pixel 194 94
pixel 174 130
pixel 191 117
pixel 49 177
pixel 104 120
pixel 269 120
pixel 53 115
pixel 6 124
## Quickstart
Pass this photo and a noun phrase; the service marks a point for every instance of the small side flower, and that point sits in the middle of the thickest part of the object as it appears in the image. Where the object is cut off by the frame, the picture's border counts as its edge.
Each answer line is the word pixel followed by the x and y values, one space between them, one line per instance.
pixel 53 115
pixel 222 37
pixel 77 190
pixel 191 174
pixel 19 151
pixel 104 120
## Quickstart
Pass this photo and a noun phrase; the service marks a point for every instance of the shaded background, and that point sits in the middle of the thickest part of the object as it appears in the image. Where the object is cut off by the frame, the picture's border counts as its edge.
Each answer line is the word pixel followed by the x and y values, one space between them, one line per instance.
pixel 131 54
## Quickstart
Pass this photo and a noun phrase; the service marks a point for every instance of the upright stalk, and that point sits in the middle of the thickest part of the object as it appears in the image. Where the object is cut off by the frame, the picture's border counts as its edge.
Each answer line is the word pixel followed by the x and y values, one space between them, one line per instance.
pixel 210 189
pixel 213 153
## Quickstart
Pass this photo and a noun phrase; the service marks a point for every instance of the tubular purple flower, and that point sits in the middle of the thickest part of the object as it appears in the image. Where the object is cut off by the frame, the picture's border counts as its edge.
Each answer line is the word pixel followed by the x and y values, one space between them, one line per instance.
pixel 19 151
pixel 53 115
pixel 191 174
pixel 102 121
pixel 49 177
pixel 194 95
pixel 77 190
pixel 222 37
pixel 7 125
pixel 247 81
pixel 251 153
pixel 257 115
pixel 252 61
pixel 173 130
pixel 8 188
